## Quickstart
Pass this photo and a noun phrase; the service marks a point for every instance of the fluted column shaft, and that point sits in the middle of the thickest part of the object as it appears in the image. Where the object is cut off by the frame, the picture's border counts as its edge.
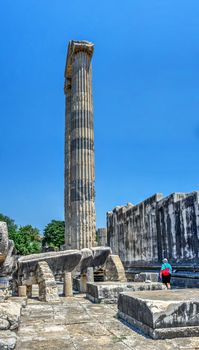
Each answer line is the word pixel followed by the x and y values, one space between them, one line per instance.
pixel 80 217
pixel 82 154
pixel 67 167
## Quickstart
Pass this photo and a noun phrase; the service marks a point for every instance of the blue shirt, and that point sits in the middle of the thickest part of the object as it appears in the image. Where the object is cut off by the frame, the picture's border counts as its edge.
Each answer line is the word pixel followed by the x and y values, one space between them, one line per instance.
pixel 166 266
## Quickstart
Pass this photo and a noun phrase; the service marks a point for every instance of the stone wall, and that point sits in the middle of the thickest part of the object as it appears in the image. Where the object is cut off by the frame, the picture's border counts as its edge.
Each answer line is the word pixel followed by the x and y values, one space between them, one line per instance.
pixel 102 237
pixel 178 226
pixel 156 228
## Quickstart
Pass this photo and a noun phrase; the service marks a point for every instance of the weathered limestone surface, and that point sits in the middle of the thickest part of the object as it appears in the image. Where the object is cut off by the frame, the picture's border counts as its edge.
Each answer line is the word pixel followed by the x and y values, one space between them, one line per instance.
pixel 178 227
pixel 47 285
pixel 114 270
pixel 4 293
pixel 147 276
pixel 156 228
pixel 3 240
pixel 102 237
pixel 100 255
pixel 59 262
pixel 95 257
pixel 22 291
pixel 132 231
pixel 80 217
pixel 86 260
pixel 182 277
pixel 10 312
pixel 82 283
pixel 4 288
pixel 185 280
pixel 8 340
pixel 68 290
pixel 161 315
pixel 9 315
pixel 77 324
pixel 90 275
pixel 108 292
pixel 7 261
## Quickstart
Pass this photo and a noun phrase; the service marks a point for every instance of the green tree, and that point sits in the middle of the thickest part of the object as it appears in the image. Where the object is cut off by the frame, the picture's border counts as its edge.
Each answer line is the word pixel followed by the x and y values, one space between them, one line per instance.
pixel 27 240
pixel 12 227
pixel 54 234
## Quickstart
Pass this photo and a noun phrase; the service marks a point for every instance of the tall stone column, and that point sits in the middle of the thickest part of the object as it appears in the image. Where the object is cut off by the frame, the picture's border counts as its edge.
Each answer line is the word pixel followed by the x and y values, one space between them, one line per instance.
pixel 80 217
pixel 67 164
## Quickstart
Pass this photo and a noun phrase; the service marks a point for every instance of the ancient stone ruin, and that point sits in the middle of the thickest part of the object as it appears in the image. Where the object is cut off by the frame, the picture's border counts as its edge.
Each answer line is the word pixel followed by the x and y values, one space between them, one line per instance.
pixel 7 260
pixel 80 219
pixel 47 285
pixel 76 298
pixel 6 251
pixel 41 269
pixel 160 315
pixel 102 236
pixel 158 227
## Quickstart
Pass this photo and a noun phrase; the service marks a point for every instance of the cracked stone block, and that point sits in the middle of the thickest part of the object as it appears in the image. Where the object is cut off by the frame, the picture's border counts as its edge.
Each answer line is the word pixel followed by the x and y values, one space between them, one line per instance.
pixel 8 340
pixel 47 285
pixel 3 240
pixel 162 314
pixel 9 315
pixel 108 292
pixel 115 269
pixel 144 276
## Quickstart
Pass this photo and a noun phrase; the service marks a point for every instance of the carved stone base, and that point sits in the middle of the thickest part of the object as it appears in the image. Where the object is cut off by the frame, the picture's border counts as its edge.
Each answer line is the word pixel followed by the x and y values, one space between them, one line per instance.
pixel 162 314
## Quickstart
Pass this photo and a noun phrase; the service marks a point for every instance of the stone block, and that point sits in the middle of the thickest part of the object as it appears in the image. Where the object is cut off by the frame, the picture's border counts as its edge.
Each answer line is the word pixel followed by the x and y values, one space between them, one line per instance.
pixel 68 290
pixel 102 236
pixel 4 324
pixel 3 240
pixel 83 283
pixel 58 262
pixel 8 340
pixel 147 276
pixel 4 288
pixel 114 269
pixel 95 257
pixel 90 275
pixel 22 291
pixel 162 314
pixel 9 315
pixel 47 285
pixel 108 292
pixel 185 280
pixel 100 255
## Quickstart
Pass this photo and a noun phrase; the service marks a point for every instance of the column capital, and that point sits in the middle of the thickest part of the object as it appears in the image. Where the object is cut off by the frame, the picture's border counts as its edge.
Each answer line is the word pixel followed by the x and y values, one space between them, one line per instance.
pixel 74 47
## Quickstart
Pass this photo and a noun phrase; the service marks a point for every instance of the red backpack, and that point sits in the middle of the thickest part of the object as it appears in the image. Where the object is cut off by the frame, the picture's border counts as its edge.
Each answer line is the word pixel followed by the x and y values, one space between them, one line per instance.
pixel 166 272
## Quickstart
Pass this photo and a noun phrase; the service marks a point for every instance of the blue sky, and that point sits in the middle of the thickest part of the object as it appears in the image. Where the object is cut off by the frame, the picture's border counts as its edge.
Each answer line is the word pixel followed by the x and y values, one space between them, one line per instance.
pixel 146 101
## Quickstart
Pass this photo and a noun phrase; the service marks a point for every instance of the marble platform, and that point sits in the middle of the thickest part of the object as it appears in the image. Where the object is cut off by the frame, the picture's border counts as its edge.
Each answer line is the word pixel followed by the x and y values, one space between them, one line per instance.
pixel 162 314
pixel 108 292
